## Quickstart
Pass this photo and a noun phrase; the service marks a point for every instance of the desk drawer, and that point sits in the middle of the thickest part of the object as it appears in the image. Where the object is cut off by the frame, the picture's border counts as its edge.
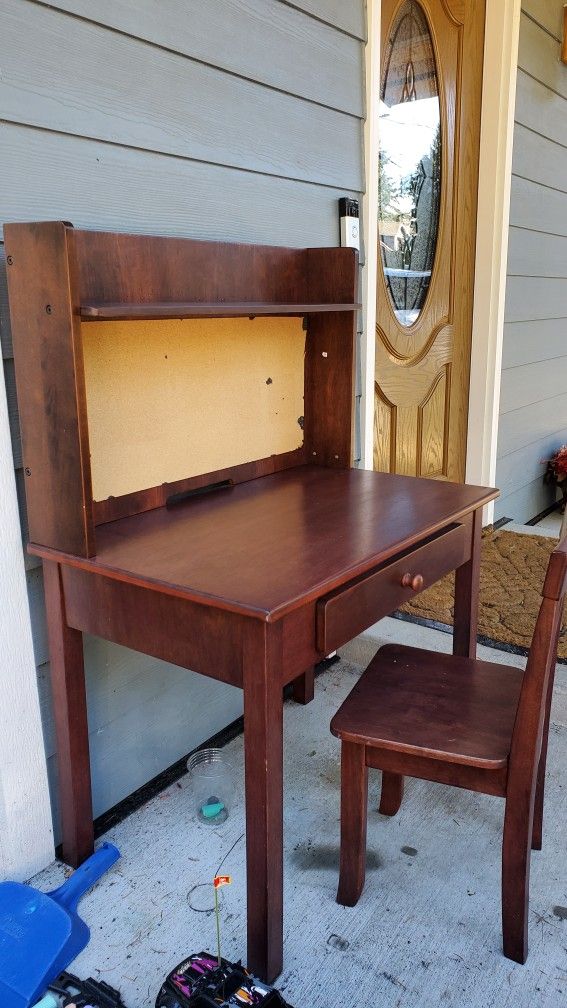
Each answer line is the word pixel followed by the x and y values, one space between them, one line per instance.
pixel 349 610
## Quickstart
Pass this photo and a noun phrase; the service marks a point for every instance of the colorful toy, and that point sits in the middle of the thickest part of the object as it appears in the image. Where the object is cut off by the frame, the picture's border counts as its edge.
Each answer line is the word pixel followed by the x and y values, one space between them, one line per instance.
pixel 41 933
pixel 205 981
pixel 200 982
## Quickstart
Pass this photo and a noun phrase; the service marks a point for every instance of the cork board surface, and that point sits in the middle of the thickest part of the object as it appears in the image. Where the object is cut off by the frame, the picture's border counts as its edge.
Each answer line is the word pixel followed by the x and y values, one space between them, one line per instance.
pixel 173 399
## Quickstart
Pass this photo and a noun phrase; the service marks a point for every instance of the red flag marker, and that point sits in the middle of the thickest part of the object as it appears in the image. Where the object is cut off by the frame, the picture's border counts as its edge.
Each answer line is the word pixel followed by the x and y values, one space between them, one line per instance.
pixel 220 880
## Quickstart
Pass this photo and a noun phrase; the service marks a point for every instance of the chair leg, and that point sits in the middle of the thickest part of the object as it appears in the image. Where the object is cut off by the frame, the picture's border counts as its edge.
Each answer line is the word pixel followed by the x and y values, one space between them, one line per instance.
pixel 354 814
pixel 391 794
pixel 516 849
pixel 537 829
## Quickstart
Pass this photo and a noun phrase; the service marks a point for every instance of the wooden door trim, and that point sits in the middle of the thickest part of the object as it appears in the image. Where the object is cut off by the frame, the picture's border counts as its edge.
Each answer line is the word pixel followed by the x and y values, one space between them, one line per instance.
pixel 430 412
pixel 497 113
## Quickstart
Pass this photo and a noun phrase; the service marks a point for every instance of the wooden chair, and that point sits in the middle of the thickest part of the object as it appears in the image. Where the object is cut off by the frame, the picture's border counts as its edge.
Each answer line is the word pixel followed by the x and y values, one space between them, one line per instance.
pixel 460 721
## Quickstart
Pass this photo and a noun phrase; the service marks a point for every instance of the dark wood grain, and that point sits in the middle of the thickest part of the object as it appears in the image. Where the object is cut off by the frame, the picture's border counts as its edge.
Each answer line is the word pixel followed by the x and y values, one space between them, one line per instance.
pixel 58 275
pixel 350 609
pixel 467 581
pixel 354 817
pixel 537 828
pixel 202 309
pixel 263 756
pixel 331 274
pixel 114 508
pixel 526 773
pixel 51 387
pixel 472 778
pixel 429 704
pixel 265 547
pixel 226 584
pixel 70 714
pixel 329 383
pixel 556 577
pixel 148 269
pixel 458 721
pixel 196 637
pixel 391 793
pixel 304 687
pixel 145 269
pixel 299 647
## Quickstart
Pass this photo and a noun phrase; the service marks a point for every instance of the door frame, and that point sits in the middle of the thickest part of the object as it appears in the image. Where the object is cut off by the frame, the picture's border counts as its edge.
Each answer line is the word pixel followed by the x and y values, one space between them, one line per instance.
pixel 495 173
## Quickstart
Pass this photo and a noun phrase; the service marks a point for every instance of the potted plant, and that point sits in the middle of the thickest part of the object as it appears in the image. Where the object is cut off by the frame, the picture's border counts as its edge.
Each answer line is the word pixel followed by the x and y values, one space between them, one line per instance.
pixel 556 472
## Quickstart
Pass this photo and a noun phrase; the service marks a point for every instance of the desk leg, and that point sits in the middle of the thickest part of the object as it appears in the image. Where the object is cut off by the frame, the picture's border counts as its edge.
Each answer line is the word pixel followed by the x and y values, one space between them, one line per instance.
pixel 304 687
pixel 263 750
pixel 70 714
pixel 466 596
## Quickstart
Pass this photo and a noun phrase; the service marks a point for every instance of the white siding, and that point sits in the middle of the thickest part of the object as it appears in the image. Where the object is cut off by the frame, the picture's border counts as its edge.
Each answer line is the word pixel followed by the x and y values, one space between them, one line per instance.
pixel 533 404
pixel 26 834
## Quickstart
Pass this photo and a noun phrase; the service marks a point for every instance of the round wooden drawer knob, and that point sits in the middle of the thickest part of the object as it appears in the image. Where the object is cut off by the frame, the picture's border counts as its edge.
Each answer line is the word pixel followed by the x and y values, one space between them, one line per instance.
pixel 413 581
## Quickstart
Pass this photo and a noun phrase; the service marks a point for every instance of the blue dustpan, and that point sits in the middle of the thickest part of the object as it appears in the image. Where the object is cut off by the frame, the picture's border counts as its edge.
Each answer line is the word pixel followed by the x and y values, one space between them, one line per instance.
pixel 41 933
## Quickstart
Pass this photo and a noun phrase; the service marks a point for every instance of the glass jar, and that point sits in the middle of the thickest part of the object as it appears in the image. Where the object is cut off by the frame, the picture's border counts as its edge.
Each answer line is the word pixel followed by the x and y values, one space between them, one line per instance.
pixel 211 781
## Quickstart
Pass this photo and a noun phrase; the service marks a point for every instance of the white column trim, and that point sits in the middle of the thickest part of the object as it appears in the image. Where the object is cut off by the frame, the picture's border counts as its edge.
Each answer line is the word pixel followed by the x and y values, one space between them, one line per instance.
pixel 495 173
pixel 26 833
pixel 370 231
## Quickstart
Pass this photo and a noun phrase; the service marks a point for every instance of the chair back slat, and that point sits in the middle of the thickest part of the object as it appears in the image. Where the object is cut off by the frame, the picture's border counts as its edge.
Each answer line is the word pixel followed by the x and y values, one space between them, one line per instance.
pixel 537 685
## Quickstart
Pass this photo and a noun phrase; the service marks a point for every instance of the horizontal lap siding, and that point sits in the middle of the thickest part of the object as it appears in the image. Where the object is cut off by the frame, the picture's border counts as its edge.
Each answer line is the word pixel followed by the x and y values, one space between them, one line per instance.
pixel 144 99
pixel 107 185
pixel 263 41
pixel 547 13
pixel 216 120
pixel 539 158
pixel 142 718
pixel 345 14
pixel 535 253
pixel 533 401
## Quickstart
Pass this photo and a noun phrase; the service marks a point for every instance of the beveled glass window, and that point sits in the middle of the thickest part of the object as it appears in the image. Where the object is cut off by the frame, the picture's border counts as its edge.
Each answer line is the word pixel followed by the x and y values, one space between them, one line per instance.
pixel 409 177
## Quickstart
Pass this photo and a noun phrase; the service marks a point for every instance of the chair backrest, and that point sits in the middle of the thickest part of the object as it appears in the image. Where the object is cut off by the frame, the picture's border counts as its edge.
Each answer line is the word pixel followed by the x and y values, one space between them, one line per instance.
pixel 532 717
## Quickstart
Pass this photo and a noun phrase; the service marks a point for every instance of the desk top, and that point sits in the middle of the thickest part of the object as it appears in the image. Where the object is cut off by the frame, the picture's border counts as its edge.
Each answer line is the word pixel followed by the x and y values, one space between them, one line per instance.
pixel 264 547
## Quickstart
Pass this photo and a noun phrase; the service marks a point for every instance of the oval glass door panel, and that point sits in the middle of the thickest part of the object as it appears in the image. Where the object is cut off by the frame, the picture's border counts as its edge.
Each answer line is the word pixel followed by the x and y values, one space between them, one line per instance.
pixel 409 177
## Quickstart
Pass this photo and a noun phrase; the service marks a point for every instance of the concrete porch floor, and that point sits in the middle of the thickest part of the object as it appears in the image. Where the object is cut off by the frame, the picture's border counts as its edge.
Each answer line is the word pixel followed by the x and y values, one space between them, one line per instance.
pixel 427 928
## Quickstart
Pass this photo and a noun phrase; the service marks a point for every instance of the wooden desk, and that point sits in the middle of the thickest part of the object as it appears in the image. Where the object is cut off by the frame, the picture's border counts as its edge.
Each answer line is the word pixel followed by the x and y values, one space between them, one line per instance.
pixel 252 585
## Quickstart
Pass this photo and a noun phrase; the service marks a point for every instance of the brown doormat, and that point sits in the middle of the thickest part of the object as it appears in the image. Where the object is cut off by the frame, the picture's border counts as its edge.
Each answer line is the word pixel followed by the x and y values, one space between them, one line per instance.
pixel 512 570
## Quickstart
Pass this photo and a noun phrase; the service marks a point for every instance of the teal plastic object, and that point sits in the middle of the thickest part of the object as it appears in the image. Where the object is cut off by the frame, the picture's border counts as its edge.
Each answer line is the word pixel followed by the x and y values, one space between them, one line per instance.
pixel 212 809
pixel 49 1001
pixel 41 933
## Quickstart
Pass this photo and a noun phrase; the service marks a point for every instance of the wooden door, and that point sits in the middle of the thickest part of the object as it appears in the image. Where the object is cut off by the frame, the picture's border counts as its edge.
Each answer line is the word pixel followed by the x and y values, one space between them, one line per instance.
pixel 430 98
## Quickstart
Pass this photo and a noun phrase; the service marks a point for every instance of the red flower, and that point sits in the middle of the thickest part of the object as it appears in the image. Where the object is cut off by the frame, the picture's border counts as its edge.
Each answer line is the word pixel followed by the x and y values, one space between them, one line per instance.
pixel 558 463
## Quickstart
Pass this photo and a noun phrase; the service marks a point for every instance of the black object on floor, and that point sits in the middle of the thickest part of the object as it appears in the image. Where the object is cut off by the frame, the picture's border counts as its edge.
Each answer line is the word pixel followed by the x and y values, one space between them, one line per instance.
pixel 199 982
pixel 82 993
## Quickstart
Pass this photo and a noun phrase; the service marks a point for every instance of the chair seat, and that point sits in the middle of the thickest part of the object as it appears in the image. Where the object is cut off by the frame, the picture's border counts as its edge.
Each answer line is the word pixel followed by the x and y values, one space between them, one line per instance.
pixel 438 706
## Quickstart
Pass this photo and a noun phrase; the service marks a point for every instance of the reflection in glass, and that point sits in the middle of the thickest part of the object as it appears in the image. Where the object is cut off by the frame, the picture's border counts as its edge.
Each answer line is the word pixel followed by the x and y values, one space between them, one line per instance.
pixel 409 178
